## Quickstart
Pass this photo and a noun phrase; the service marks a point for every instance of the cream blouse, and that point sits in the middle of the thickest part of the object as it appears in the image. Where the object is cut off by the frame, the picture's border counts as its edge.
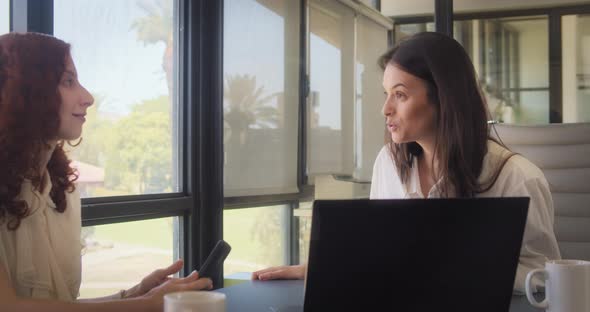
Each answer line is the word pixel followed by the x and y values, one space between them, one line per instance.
pixel 43 255
pixel 518 178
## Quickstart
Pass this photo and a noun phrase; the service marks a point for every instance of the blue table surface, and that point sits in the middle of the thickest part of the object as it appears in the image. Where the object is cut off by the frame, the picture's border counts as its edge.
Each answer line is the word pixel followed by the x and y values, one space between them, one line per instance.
pixel 287 295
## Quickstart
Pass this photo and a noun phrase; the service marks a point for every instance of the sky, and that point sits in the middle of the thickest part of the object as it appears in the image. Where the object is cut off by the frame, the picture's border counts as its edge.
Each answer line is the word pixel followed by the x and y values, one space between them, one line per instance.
pixel 4 15
pixel 110 60
pixel 254 44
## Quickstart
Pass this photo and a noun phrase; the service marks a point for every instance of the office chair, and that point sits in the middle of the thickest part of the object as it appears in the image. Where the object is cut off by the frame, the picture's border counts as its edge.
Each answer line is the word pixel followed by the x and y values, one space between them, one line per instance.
pixel 562 151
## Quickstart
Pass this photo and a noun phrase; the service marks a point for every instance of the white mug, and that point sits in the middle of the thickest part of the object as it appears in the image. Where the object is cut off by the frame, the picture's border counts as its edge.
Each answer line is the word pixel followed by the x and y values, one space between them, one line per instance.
pixel 567 286
pixel 198 301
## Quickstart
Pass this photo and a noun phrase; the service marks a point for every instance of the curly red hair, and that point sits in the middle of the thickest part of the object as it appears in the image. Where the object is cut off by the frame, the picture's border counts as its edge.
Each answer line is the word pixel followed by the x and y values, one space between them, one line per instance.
pixel 31 67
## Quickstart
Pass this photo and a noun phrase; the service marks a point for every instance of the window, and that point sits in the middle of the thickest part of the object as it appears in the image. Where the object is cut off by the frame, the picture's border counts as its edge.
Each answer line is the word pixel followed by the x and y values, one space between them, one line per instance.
pixel 117 256
pixel 369 121
pixel 125 56
pixel 4 16
pixel 344 107
pixel 575 36
pixel 304 214
pixel 511 59
pixel 261 97
pixel 259 238
pixel 261 113
pixel 331 100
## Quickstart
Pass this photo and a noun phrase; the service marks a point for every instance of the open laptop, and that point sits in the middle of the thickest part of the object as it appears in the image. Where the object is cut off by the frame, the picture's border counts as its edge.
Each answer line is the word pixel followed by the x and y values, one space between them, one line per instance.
pixel 414 254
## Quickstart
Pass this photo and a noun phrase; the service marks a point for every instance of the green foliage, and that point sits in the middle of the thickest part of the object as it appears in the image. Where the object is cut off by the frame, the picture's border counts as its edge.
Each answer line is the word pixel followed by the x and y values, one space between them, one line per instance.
pixel 267 233
pixel 139 158
pixel 96 133
pixel 135 150
pixel 156 24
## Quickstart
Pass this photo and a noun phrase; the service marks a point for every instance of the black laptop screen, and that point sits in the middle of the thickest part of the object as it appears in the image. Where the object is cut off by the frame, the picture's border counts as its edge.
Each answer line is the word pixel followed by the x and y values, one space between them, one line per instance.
pixel 414 254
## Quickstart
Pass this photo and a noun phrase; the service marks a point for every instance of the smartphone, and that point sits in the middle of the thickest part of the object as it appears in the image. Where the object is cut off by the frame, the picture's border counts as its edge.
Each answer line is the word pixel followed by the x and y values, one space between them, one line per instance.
pixel 215 259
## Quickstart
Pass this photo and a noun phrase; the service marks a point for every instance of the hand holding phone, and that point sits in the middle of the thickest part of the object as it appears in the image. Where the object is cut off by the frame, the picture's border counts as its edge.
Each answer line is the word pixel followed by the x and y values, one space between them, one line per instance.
pixel 215 259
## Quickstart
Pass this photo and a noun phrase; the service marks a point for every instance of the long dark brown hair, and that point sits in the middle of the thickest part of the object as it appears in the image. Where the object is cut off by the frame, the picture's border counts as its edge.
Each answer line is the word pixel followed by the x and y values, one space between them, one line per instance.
pixel 31 67
pixel 462 131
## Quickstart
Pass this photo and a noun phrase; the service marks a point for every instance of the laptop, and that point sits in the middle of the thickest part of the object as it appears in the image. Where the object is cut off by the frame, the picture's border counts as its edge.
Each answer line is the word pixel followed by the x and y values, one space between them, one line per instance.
pixel 414 254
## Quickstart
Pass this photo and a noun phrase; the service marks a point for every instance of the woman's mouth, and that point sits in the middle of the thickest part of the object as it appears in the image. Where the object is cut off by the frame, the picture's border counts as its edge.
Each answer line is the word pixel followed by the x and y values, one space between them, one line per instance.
pixel 392 127
pixel 81 117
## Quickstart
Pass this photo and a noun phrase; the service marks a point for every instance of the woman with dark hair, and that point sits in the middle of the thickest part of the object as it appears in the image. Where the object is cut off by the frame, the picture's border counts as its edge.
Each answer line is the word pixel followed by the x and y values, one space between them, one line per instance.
pixel 440 145
pixel 43 105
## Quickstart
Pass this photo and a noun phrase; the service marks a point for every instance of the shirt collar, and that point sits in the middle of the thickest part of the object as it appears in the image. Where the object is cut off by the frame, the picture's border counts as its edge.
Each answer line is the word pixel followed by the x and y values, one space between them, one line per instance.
pixel 413 188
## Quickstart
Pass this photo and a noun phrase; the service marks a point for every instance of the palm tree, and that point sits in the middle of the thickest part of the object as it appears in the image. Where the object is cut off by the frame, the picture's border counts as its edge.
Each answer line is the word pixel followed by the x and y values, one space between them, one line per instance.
pixel 247 105
pixel 156 26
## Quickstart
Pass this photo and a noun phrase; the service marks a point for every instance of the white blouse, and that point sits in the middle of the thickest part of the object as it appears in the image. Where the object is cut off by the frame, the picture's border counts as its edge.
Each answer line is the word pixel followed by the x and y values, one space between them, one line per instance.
pixel 518 178
pixel 43 255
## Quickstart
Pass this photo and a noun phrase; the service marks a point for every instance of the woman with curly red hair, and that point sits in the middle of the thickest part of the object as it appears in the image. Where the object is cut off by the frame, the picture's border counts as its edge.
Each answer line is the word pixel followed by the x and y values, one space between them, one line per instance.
pixel 43 105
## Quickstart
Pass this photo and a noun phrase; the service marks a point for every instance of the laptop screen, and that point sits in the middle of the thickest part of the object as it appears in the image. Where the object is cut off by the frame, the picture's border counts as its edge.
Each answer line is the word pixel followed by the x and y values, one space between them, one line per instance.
pixel 414 254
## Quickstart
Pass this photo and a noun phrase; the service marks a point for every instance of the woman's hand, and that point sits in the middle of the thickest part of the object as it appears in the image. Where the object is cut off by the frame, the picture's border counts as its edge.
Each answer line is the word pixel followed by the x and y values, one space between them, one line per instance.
pixel 191 282
pixel 156 279
pixel 281 272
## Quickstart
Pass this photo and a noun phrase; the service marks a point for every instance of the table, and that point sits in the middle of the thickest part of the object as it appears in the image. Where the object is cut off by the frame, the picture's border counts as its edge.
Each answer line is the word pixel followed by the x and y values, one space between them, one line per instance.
pixel 287 296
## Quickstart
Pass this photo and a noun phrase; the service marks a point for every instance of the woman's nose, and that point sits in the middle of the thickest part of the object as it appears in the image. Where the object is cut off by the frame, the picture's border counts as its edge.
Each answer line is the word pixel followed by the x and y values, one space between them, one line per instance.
pixel 387 107
pixel 88 98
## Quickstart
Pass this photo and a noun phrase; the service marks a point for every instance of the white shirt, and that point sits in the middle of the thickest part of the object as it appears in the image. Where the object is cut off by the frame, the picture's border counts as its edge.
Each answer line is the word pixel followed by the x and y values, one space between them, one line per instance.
pixel 43 255
pixel 518 178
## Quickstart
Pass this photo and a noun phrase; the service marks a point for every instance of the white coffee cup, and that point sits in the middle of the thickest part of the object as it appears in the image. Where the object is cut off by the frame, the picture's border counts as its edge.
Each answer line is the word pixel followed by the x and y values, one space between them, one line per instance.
pixel 198 301
pixel 567 286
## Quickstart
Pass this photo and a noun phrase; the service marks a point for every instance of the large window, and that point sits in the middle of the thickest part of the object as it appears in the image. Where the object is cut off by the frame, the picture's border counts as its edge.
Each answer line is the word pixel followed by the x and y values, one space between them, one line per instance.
pixel 331 69
pixel 511 58
pixel 125 56
pixel 529 56
pixel 259 238
pixel 261 96
pixel 117 256
pixel 261 113
pixel 575 33
pixel 344 119
pixel 368 118
pixel 4 16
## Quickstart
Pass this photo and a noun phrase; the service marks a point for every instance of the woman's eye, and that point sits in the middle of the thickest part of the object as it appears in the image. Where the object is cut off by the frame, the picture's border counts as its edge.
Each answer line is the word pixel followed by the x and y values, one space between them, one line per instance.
pixel 399 95
pixel 69 82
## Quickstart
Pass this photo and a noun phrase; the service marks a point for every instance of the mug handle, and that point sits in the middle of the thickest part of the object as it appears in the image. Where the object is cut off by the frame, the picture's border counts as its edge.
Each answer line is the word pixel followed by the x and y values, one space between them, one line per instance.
pixel 529 291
